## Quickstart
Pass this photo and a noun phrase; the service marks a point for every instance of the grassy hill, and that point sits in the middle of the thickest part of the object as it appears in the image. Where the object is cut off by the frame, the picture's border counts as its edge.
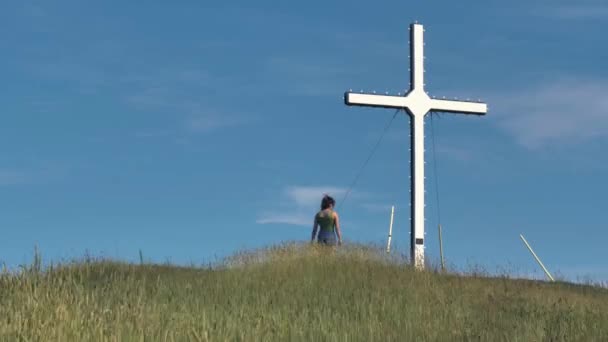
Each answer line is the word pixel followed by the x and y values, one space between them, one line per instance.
pixel 292 292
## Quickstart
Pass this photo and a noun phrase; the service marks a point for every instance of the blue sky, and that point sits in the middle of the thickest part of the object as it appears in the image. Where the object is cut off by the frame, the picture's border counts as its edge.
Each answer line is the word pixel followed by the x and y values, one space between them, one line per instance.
pixel 192 130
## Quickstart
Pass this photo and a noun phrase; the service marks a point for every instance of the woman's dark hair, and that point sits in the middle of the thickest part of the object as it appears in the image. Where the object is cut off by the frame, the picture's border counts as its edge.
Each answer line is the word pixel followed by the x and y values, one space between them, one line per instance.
pixel 327 201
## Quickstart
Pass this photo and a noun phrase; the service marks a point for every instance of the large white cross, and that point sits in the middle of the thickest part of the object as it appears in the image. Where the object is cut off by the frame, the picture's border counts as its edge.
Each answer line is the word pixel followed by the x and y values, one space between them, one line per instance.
pixel 417 103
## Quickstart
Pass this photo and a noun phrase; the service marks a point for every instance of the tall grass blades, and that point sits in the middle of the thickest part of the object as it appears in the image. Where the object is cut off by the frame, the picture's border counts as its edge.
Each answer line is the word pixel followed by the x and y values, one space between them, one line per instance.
pixel 290 292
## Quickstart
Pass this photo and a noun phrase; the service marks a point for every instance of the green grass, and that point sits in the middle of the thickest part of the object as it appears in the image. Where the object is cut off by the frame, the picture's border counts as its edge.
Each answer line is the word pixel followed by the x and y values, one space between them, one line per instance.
pixel 291 292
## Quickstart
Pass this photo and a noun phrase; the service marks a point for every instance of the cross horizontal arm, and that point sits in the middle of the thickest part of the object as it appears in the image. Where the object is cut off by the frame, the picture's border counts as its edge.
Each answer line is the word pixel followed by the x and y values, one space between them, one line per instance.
pixel 463 107
pixel 373 100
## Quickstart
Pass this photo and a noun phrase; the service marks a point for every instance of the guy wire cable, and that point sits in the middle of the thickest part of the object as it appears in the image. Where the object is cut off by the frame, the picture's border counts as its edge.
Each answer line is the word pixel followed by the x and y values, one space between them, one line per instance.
pixel 369 157
pixel 435 176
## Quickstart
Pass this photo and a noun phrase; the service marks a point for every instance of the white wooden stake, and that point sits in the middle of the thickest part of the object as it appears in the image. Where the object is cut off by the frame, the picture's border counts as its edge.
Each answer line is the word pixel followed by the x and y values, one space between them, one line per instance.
pixel 390 230
pixel 536 257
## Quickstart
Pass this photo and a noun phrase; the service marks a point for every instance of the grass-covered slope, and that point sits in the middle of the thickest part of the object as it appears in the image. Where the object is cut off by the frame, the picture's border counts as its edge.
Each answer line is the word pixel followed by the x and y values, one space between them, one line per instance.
pixel 292 293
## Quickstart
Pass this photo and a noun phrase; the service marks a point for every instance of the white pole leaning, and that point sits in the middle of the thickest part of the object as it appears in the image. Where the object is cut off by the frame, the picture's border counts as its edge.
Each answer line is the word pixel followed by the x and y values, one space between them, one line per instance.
pixel 390 230
pixel 536 257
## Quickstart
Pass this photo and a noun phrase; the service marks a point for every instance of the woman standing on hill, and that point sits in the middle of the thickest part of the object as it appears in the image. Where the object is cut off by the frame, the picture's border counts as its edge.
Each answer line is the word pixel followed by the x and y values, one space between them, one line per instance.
pixel 328 222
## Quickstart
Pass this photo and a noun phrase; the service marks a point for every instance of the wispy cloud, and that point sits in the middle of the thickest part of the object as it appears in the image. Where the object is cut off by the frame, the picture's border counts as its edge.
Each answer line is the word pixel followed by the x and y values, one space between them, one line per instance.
pixel 34 174
pixel 12 177
pixel 300 201
pixel 174 95
pixel 576 11
pixel 204 123
pixel 82 78
pixel 305 77
pixel 310 196
pixel 153 133
pixel 566 111
pixel 294 219
pixel 179 91
pixel 584 274
pixel 376 207
pixel 34 11
pixel 174 89
pixel 457 153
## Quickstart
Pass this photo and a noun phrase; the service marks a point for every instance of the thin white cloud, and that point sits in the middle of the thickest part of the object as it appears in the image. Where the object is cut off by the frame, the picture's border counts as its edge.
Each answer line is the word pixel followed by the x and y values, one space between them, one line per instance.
pixel 458 153
pixel 196 116
pixel 307 77
pixel 175 90
pixel 34 11
pixel 153 97
pixel 210 122
pixel 584 274
pixel 42 172
pixel 566 111
pixel 12 177
pixel 83 78
pixel 170 90
pixel 301 201
pixel 576 11
pixel 308 196
pixel 376 207
pixel 153 133
pixel 289 219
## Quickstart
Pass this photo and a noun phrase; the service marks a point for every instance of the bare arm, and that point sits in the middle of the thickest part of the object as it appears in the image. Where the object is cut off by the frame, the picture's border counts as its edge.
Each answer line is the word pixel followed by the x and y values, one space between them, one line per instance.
pixel 337 220
pixel 314 230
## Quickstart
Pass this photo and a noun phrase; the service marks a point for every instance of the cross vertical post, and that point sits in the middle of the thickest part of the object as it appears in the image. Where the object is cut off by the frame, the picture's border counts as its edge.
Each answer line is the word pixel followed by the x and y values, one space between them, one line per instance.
pixel 417 104
pixel 417 190
pixel 417 57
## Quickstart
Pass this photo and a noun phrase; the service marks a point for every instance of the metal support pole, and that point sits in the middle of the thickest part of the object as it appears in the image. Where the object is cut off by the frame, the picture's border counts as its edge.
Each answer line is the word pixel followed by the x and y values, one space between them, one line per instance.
pixel 536 257
pixel 441 250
